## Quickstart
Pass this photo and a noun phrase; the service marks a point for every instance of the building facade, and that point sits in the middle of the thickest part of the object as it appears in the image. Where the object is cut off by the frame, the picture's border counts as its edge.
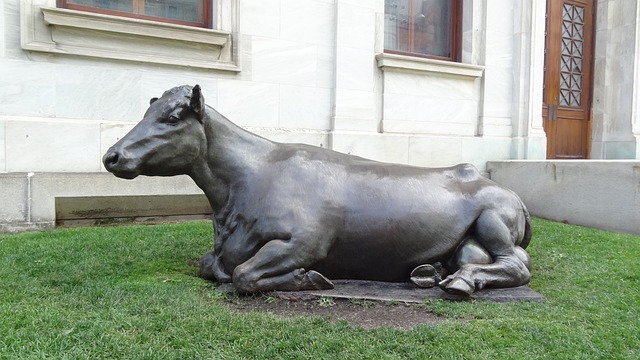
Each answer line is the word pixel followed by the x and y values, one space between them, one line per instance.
pixel 332 73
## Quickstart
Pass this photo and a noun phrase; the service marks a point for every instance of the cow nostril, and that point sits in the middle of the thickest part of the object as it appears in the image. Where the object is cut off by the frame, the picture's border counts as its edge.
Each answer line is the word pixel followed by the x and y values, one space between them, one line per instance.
pixel 110 159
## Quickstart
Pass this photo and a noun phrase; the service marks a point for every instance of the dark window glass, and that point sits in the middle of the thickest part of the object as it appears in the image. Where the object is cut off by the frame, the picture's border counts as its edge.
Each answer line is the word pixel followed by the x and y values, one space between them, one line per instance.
pixel 428 28
pixel 185 12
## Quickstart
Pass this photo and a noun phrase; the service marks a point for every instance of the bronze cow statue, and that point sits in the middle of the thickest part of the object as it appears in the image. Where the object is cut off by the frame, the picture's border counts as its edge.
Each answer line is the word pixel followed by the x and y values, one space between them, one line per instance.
pixel 293 216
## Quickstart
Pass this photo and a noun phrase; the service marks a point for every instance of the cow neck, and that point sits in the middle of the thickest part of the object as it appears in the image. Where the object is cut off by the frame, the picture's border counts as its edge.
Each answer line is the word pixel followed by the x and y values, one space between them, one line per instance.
pixel 232 154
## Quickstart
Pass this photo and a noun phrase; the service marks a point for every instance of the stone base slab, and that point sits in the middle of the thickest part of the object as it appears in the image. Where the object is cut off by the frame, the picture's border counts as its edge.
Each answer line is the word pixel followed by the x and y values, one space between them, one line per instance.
pixel 403 292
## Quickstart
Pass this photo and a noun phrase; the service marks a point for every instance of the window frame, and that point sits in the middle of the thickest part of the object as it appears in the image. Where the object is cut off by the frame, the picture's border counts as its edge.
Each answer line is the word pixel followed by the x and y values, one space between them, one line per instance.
pixel 207 6
pixel 48 29
pixel 455 42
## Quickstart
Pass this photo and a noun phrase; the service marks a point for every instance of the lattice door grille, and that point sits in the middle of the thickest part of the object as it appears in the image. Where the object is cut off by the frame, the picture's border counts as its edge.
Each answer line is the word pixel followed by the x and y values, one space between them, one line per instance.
pixel 571 50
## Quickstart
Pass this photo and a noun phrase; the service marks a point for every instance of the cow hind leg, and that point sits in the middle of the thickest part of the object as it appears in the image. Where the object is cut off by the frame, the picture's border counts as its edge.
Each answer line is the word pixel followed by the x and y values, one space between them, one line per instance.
pixel 278 266
pixel 509 268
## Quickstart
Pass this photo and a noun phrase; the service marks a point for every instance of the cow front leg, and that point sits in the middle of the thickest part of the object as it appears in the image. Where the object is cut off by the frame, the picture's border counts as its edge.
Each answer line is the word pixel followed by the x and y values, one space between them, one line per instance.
pixel 278 265
pixel 510 263
pixel 211 268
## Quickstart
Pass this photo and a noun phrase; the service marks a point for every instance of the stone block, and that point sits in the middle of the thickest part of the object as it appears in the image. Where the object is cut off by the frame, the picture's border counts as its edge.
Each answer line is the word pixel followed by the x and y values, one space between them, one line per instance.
pixel 307 21
pixel 325 70
pixel 435 151
pixel 283 62
pixel 498 91
pixel 260 18
pixel 305 107
pixel 234 98
pixel 429 104
pixel 14 197
pixel 429 86
pixel 355 69
pixel 84 92
pixel 620 149
pixel 2 35
pixel 418 114
pixel 356 25
pixel 52 146
pixel 26 88
pixel 353 104
pixel 3 154
pixel 381 147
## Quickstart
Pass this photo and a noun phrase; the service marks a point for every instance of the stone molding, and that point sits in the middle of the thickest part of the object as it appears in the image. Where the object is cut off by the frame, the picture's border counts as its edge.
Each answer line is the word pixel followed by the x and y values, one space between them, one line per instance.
pixel 428 66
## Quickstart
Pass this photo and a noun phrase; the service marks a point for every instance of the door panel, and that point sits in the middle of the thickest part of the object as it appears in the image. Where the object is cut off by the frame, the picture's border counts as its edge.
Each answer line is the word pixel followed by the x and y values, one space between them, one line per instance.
pixel 568 78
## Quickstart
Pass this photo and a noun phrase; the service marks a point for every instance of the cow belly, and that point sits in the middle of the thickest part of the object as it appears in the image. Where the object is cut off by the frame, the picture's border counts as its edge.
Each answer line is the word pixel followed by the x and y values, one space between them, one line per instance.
pixel 386 241
pixel 386 255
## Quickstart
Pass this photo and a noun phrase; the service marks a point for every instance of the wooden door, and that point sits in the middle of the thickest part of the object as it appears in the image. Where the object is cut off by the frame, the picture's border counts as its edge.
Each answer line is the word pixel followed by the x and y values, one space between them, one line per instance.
pixel 568 78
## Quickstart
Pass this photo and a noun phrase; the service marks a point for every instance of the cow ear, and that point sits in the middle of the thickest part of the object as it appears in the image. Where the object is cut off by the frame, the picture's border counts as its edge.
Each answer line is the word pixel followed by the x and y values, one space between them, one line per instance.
pixel 153 99
pixel 197 101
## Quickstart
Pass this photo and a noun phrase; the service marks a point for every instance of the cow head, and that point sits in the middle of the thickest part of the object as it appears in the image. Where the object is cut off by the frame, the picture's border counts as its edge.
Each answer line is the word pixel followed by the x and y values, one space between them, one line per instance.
pixel 167 141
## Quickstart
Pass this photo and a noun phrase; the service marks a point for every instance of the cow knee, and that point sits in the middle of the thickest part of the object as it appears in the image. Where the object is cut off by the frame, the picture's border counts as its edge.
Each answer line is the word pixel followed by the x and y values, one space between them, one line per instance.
pixel 245 281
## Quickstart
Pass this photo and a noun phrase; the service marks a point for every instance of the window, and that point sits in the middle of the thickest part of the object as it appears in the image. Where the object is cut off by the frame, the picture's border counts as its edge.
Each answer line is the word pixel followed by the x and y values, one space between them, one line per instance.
pixel 184 12
pixel 426 28
pixel 46 26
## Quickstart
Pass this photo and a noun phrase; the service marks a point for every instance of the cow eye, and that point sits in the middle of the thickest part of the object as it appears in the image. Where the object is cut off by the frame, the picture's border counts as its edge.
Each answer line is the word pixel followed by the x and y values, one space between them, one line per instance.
pixel 173 119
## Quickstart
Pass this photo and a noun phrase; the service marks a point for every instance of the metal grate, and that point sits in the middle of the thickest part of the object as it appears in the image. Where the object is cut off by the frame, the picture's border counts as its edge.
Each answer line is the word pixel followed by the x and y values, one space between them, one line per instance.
pixel 571 68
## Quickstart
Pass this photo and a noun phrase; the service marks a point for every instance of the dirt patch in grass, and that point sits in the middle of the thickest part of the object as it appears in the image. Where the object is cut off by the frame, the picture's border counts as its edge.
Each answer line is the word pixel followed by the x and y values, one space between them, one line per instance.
pixel 359 313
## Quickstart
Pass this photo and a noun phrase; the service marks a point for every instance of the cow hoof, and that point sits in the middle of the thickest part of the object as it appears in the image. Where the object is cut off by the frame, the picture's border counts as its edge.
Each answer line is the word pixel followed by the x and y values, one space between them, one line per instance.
pixel 457 286
pixel 211 270
pixel 318 281
pixel 424 276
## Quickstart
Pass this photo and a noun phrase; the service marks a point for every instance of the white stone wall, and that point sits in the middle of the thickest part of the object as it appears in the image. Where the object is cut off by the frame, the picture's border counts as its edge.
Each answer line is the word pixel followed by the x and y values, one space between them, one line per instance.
pixel 616 94
pixel 61 112
pixel 290 70
pixel 487 107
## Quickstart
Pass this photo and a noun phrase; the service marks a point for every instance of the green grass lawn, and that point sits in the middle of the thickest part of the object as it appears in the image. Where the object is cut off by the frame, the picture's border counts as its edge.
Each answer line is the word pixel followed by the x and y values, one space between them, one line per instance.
pixel 129 292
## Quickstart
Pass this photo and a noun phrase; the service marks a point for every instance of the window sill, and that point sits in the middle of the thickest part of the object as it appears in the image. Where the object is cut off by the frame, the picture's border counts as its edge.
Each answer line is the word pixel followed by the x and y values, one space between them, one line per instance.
pixel 428 66
pixel 64 31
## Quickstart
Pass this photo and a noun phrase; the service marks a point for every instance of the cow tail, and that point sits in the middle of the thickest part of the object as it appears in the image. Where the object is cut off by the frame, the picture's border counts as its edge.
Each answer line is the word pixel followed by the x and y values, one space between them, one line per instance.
pixel 527 227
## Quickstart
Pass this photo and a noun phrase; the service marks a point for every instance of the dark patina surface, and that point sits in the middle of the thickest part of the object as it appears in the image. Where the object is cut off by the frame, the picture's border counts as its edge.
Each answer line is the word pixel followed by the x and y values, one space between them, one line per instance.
pixel 292 216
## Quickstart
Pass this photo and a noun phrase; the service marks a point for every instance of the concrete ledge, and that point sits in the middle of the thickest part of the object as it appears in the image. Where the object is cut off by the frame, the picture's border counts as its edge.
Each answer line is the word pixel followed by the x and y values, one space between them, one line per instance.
pixel 93 210
pixel 29 200
pixel 102 207
pixel 603 194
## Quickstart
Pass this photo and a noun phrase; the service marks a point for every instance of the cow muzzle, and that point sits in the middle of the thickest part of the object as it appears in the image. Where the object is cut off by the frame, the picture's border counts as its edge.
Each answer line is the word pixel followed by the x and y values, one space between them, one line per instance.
pixel 116 163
